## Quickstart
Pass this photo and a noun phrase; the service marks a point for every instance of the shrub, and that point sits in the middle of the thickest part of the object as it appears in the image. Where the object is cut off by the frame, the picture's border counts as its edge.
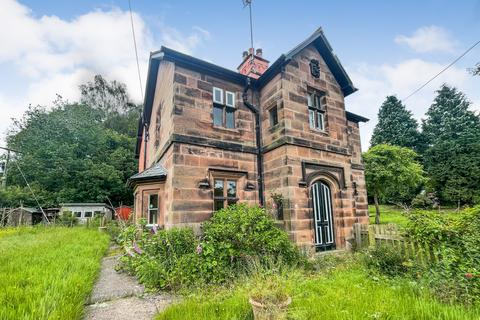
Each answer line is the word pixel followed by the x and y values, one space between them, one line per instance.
pixel 172 259
pixel 241 231
pixel 423 201
pixel 456 240
pixel 113 229
pixel 386 259
pixel 67 218
pixel 154 257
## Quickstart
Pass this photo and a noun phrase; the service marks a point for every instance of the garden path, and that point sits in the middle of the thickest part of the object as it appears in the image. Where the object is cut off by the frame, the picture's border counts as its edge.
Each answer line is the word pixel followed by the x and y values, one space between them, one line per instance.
pixel 119 296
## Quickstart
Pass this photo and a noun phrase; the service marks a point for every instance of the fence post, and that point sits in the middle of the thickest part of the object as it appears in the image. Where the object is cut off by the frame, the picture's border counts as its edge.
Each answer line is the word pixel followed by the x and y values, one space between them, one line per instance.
pixel 357 231
pixel 371 236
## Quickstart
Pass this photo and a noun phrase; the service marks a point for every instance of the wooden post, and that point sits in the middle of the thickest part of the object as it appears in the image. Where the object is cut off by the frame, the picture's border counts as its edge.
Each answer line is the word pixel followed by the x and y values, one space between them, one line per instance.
pixel 357 231
pixel 371 236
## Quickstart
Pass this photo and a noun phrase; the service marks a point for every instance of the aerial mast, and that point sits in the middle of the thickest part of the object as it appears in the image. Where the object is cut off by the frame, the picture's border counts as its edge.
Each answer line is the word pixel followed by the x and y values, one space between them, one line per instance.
pixel 248 3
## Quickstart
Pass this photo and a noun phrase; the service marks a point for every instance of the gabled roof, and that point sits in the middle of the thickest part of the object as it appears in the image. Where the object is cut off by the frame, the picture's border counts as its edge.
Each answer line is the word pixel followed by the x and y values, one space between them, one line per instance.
pixel 155 173
pixel 317 39
pixel 321 43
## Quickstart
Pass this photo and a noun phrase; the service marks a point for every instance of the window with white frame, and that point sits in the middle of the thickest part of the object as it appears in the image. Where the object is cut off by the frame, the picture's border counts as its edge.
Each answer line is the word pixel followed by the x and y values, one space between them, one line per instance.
pixel 88 214
pixel 77 214
pixel 316 110
pixel 152 209
pixel 223 108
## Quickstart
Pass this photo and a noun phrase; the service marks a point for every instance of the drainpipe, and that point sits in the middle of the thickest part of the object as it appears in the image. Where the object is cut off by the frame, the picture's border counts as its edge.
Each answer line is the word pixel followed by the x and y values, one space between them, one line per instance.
pixel 258 137
pixel 145 134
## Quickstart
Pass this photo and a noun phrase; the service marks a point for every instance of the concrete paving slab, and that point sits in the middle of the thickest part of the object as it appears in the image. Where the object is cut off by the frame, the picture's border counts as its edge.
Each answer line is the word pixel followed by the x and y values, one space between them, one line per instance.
pixel 138 308
pixel 112 284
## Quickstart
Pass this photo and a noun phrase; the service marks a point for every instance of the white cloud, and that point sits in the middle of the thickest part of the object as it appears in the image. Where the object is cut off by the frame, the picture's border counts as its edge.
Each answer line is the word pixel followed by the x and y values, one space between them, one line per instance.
pixel 52 55
pixel 429 39
pixel 375 82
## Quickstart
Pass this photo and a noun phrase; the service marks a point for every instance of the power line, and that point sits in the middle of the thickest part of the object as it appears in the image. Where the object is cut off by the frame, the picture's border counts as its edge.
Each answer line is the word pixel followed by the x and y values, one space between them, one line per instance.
pixel 33 193
pixel 135 45
pixel 443 70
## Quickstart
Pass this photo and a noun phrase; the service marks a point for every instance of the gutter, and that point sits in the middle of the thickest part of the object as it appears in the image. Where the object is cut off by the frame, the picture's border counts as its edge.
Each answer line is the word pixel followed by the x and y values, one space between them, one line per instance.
pixel 258 137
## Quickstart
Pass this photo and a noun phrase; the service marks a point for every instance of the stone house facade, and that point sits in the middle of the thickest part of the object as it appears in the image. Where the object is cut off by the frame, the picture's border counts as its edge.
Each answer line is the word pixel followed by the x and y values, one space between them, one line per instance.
pixel 278 136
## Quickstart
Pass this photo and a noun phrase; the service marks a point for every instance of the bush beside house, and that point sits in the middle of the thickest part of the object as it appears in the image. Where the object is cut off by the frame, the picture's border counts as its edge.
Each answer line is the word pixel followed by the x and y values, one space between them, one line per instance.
pixel 175 258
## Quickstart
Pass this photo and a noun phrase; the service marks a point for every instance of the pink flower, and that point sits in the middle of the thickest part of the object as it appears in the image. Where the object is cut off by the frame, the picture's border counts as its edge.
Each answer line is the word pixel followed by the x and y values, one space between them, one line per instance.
pixel 136 248
pixel 154 229
pixel 199 249
pixel 469 275
pixel 130 253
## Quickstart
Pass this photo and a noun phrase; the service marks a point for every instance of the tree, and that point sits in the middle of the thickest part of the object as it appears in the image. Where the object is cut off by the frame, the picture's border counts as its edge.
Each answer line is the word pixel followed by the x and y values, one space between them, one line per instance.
pixel 452 159
pixel 396 125
pixel 76 152
pixel 108 97
pixel 392 173
pixel 476 70
pixel 111 99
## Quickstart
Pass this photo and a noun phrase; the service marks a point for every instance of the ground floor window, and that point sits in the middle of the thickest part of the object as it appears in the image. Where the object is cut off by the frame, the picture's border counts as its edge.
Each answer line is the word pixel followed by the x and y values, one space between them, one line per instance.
pixel 152 208
pixel 78 214
pixel 88 214
pixel 224 193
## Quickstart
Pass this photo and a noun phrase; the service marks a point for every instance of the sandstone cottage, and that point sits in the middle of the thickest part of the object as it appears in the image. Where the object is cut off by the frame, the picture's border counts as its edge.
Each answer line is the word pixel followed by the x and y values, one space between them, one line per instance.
pixel 276 135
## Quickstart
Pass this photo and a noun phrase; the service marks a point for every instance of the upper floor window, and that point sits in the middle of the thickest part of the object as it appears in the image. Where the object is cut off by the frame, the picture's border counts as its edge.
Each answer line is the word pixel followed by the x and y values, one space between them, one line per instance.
pixel 316 110
pixel 223 108
pixel 224 193
pixel 273 114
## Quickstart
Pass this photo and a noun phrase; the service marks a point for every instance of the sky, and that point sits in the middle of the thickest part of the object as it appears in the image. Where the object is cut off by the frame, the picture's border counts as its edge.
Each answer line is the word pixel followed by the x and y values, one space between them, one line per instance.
pixel 387 47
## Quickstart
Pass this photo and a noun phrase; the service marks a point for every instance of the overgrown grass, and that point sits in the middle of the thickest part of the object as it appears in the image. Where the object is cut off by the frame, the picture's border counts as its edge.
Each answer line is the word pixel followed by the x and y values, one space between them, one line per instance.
pixel 346 292
pixel 394 214
pixel 8 231
pixel 48 273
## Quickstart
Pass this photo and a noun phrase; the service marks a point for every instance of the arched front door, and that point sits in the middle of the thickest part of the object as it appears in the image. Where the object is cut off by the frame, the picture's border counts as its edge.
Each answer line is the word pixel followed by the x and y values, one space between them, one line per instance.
pixel 321 196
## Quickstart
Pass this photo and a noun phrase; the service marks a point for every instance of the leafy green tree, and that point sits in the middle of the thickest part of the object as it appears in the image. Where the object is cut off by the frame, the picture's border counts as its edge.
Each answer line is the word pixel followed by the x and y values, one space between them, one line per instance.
pixel 396 125
pixel 452 159
pixel 76 152
pixel 449 117
pixel 392 173
pixel 111 99
pixel 108 97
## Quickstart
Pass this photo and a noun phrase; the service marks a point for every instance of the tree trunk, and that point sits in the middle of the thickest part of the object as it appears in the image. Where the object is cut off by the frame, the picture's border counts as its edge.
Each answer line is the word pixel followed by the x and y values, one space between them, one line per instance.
pixel 377 209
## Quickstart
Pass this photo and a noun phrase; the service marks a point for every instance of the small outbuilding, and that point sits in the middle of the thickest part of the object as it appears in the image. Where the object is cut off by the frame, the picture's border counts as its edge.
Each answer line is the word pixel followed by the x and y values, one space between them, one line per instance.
pixel 86 210
pixel 22 216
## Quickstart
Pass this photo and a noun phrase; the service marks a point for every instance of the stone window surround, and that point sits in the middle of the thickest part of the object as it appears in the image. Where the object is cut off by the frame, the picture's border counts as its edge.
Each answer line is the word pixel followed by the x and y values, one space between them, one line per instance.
pixel 225 174
pixel 144 201
pixel 322 109
pixel 151 208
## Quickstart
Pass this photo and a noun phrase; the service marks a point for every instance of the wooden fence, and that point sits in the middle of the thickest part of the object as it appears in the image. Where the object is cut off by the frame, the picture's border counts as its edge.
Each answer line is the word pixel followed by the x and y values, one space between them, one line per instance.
pixel 389 234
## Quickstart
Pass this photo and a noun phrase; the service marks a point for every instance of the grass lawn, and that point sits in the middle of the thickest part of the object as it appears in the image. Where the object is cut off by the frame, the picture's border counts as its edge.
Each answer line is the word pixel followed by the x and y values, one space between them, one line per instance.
pixel 394 214
pixel 344 293
pixel 48 273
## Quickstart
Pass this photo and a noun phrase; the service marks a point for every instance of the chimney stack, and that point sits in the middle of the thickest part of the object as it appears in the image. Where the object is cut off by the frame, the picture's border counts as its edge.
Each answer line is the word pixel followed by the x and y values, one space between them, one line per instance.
pixel 253 65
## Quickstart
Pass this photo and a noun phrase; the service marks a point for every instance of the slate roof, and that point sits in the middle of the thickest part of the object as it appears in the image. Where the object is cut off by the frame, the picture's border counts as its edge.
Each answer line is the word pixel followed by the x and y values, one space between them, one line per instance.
pixel 155 173
pixel 320 42
pixel 317 39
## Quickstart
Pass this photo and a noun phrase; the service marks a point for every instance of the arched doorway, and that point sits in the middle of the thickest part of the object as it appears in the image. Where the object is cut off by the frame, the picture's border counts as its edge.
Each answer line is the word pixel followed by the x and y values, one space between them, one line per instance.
pixel 321 196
